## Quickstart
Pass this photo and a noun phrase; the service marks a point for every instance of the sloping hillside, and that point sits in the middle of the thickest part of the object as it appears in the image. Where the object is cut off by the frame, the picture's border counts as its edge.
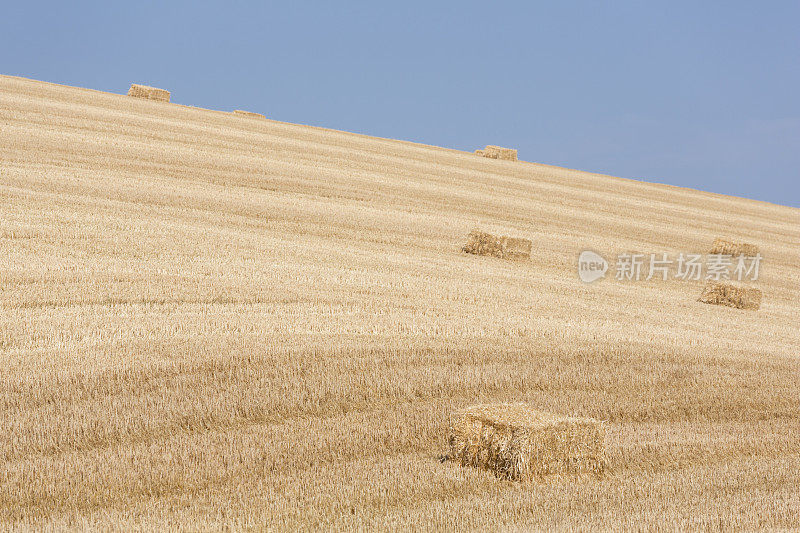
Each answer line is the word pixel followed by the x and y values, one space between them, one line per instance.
pixel 210 319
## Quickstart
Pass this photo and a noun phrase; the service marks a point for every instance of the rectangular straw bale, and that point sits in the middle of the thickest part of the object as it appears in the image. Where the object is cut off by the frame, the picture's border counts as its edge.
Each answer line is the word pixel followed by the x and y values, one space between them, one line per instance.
pixel 508 154
pixel 489 152
pixel 151 93
pixel 248 113
pixel 726 247
pixel 731 295
pixel 498 152
pixel 516 248
pixel 517 442
pixel 482 243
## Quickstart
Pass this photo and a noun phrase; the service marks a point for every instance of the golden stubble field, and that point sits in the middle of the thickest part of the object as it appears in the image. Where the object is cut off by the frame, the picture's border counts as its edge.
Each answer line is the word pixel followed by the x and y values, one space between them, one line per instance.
pixel 210 320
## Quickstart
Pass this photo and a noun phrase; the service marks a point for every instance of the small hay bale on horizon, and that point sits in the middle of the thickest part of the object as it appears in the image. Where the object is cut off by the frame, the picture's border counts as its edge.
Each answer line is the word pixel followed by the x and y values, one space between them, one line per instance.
pixel 150 93
pixel 482 243
pixel 519 443
pixel 248 113
pixel 498 152
pixel 726 247
pixel 730 295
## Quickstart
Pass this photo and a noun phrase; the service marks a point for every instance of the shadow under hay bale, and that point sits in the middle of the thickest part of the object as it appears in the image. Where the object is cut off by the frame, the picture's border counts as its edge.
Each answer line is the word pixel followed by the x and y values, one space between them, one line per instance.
pixel 481 243
pixel 248 113
pixel 519 443
pixel 725 247
pixel 730 295
pixel 498 152
pixel 151 93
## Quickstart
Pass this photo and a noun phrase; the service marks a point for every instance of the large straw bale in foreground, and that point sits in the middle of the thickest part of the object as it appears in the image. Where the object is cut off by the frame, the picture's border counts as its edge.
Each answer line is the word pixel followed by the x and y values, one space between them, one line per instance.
pixel 481 243
pixel 726 247
pixel 498 152
pixel 730 295
pixel 248 113
pixel 517 442
pixel 151 93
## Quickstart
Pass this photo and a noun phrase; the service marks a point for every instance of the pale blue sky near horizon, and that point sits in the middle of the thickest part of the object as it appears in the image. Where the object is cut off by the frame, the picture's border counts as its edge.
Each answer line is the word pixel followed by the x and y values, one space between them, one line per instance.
pixel 694 94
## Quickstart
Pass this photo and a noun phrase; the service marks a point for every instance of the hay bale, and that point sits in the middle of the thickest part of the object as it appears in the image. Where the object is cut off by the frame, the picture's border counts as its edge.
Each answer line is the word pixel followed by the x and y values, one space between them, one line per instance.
pixel 516 248
pixel 730 295
pixel 151 93
pixel 498 152
pixel 726 247
pixel 482 243
pixel 248 113
pixel 517 442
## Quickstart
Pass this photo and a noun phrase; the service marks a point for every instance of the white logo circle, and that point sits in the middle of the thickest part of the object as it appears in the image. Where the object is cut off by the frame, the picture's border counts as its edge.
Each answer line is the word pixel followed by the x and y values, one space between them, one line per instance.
pixel 591 266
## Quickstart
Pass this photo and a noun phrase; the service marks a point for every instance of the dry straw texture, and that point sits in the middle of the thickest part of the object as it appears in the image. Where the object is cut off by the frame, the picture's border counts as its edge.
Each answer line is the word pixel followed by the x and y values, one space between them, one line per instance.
pixel 515 441
pixel 151 93
pixel 726 247
pixel 498 152
pixel 482 243
pixel 516 248
pixel 730 295
pixel 248 113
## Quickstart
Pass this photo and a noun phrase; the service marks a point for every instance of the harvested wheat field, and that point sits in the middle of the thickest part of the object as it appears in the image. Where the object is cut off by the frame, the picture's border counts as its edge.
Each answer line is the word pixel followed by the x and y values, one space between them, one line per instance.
pixel 211 322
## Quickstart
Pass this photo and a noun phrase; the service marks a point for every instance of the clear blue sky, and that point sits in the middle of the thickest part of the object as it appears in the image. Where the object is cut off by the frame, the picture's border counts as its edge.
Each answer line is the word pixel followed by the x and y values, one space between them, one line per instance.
pixel 697 94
